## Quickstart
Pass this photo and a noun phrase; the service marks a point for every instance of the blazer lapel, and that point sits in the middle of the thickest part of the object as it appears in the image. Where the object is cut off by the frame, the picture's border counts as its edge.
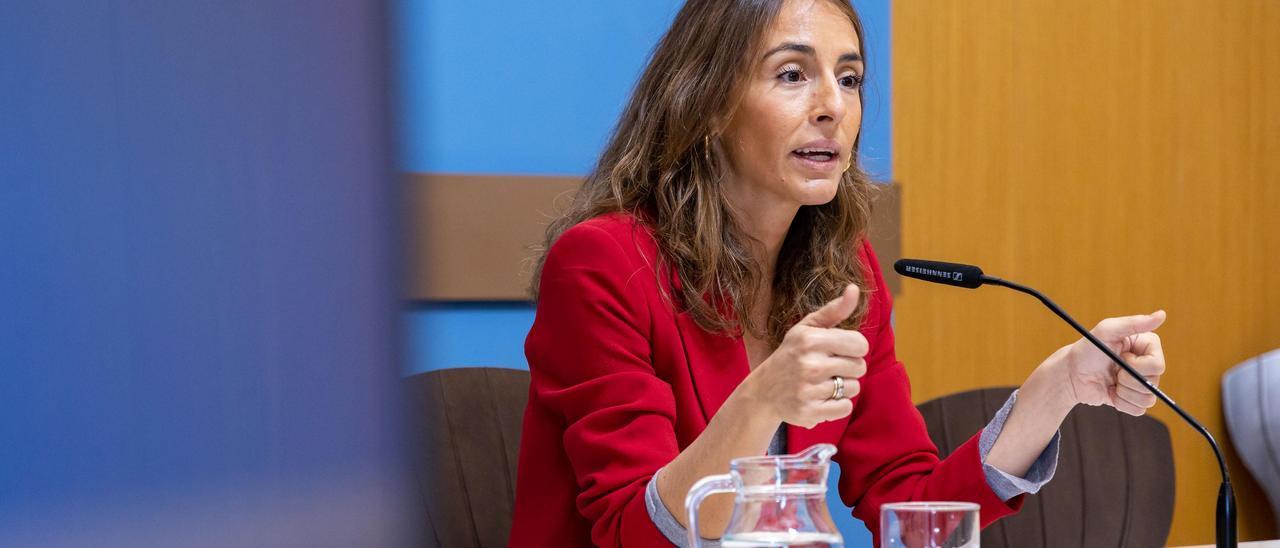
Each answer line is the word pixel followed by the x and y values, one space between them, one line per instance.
pixel 717 363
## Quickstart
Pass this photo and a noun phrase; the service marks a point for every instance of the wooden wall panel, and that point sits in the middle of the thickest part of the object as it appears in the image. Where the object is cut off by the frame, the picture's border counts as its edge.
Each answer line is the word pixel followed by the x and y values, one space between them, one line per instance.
pixel 471 237
pixel 1121 157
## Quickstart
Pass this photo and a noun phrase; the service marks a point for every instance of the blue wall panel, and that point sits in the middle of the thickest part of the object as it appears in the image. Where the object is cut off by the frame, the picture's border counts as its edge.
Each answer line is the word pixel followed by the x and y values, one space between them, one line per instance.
pixel 877 114
pixel 448 335
pixel 518 87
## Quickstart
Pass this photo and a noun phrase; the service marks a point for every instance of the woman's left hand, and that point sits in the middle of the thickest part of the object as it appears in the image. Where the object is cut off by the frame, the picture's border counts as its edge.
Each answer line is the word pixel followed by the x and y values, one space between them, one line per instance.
pixel 1096 380
pixel 1080 373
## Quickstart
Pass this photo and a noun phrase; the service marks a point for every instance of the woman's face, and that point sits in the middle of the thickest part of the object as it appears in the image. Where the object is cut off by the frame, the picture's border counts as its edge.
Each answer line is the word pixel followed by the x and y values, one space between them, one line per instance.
pixel 793 131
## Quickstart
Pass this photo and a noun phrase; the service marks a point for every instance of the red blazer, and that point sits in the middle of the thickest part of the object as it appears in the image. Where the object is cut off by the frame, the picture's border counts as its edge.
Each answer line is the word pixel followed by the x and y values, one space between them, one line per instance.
pixel 621 384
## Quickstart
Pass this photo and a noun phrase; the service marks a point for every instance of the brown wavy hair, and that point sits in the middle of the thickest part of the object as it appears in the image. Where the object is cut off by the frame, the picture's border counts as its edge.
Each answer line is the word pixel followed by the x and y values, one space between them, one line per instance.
pixel 658 167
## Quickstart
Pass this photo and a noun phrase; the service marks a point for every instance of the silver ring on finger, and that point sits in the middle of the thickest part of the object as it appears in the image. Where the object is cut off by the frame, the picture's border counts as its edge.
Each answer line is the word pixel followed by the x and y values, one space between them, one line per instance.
pixel 838 392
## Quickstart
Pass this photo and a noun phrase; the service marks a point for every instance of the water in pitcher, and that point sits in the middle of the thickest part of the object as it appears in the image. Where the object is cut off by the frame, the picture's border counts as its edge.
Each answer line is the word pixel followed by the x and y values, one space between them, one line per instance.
pixel 782 539
pixel 772 500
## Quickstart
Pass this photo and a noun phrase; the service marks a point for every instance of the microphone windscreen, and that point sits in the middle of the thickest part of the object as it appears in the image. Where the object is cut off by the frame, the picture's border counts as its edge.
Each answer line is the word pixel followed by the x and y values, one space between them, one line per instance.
pixel 959 275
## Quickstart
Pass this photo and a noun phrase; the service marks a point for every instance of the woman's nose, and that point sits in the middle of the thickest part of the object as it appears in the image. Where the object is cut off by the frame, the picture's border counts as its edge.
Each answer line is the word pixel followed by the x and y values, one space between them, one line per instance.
pixel 828 102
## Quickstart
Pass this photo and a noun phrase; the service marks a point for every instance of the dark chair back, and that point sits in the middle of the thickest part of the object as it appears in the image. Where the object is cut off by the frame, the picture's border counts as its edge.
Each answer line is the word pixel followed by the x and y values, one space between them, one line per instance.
pixel 465 439
pixel 1114 485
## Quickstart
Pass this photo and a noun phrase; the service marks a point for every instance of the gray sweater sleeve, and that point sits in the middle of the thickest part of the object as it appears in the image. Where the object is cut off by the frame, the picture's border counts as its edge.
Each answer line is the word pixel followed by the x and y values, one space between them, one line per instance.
pixel 1007 486
pixel 663 519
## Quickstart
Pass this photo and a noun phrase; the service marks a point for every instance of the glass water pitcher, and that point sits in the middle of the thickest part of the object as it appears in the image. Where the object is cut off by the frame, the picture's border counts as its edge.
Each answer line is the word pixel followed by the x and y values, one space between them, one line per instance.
pixel 778 501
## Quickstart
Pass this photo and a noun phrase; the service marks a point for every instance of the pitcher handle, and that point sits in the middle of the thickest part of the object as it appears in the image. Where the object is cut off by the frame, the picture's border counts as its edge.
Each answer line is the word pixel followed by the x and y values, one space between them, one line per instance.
pixel 705 487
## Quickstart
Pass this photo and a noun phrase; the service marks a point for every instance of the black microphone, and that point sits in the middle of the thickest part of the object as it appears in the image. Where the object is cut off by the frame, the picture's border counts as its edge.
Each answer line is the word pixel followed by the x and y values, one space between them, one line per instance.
pixel 969 276
pixel 959 275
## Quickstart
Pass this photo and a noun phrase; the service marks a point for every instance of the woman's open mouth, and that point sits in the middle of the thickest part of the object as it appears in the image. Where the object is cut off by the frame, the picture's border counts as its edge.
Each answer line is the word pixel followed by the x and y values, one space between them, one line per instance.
pixel 817 159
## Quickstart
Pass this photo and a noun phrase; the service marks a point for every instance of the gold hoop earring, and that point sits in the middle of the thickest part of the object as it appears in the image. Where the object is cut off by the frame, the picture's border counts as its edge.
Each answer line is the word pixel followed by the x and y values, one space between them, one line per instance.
pixel 706 148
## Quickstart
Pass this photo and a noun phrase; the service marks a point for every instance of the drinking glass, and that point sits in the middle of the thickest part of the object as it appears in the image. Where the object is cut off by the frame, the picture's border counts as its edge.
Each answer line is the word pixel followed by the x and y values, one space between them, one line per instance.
pixel 929 525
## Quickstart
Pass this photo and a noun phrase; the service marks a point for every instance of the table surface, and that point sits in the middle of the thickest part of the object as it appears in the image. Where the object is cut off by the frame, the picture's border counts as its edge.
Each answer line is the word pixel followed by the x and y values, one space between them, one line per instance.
pixel 1254 544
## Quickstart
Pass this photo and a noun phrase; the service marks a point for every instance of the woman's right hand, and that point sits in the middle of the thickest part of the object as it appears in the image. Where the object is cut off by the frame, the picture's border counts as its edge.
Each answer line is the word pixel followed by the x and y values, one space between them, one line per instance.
pixel 795 384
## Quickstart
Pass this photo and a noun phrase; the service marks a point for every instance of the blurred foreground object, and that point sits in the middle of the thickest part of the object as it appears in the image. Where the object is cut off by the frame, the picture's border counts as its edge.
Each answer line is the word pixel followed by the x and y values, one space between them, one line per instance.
pixel 1251 401
pixel 198 339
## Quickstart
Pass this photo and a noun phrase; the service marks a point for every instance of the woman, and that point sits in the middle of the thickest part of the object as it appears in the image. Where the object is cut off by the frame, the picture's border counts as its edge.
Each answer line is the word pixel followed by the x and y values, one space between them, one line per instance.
pixel 710 294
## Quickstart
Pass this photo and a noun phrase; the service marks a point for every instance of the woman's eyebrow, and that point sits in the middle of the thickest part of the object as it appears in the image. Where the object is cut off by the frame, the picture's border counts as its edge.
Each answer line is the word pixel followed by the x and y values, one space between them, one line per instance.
pixel 806 49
